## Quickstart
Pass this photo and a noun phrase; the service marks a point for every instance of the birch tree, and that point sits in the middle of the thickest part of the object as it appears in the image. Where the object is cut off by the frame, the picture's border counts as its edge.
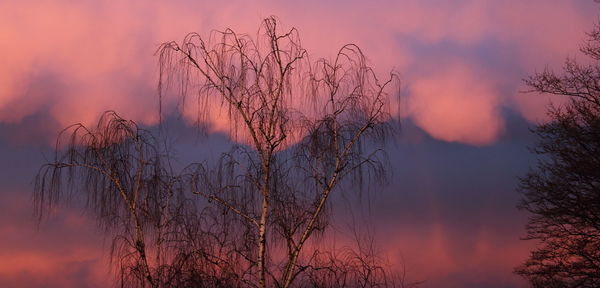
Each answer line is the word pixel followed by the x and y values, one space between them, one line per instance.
pixel 296 156
pixel 306 132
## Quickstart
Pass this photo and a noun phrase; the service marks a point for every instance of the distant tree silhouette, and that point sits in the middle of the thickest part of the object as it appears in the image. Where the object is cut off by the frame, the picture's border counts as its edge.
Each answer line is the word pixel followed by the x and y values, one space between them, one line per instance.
pixel 563 193
pixel 311 129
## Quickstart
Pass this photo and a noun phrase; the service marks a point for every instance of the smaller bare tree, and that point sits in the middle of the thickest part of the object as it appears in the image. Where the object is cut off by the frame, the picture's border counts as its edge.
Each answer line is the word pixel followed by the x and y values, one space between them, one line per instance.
pixel 119 171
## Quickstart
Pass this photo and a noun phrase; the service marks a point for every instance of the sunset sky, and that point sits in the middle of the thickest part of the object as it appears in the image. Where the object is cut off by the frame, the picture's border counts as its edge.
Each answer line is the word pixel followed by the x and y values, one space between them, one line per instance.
pixel 448 214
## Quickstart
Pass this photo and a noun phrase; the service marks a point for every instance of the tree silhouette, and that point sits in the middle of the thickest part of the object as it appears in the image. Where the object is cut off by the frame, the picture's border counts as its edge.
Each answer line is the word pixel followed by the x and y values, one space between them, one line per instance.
pixel 308 130
pixel 563 193
pixel 121 174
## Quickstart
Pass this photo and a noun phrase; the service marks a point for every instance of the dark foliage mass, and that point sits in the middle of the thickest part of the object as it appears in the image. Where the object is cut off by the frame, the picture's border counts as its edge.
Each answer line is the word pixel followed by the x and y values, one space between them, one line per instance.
pixel 246 221
pixel 563 193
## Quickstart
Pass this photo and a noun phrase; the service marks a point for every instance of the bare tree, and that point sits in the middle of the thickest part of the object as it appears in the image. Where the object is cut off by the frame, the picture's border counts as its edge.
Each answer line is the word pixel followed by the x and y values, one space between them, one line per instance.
pixel 280 193
pixel 309 130
pixel 117 168
pixel 563 193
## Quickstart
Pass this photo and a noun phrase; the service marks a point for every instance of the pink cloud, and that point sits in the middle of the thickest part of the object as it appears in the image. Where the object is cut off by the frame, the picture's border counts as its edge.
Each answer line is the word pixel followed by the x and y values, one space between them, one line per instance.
pixel 456 103
pixel 100 53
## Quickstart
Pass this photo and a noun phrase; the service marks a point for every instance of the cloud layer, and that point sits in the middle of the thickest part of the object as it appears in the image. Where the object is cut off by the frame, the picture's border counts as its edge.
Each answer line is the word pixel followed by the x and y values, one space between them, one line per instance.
pixel 74 60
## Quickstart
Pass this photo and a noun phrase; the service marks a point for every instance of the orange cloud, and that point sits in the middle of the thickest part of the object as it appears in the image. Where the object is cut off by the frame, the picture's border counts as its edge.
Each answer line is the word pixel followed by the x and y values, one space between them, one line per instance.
pixel 455 103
